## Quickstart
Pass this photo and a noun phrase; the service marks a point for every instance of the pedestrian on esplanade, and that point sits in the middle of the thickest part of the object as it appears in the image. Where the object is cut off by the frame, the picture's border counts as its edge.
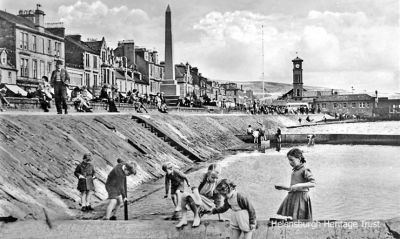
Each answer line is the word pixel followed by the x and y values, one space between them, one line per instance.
pixel 158 100
pixel 243 218
pixel 263 135
pixel 249 130
pixel 278 135
pixel 85 174
pixel 297 203
pixel 115 186
pixel 176 180
pixel 3 99
pixel 59 81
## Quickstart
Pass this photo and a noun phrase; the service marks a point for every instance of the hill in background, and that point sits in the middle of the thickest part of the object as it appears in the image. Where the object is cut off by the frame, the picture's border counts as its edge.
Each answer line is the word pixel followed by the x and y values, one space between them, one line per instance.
pixel 274 88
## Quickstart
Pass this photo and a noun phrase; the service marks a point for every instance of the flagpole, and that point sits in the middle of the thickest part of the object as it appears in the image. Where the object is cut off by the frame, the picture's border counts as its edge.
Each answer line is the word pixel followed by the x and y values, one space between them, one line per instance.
pixel 262 39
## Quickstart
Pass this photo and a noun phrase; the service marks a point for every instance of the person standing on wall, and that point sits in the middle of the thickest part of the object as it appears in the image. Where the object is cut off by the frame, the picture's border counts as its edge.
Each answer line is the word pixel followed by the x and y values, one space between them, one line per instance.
pixel 59 81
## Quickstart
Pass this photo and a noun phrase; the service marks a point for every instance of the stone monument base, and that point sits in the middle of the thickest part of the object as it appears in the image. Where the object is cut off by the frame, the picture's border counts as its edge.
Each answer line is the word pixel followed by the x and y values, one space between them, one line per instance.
pixel 170 89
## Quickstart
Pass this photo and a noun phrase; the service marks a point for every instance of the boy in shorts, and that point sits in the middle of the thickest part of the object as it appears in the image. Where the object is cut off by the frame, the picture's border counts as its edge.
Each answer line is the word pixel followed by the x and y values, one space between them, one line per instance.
pixel 175 179
pixel 115 186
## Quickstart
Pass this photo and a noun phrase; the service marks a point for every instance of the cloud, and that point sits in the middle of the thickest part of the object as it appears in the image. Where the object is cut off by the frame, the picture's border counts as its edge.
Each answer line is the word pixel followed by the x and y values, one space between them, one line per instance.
pixel 331 43
pixel 97 19
pixel 226 45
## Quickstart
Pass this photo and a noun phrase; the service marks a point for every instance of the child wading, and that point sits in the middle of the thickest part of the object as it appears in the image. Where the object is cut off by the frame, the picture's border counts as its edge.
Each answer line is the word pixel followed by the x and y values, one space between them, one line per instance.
pixel 115 186
pixel 85 174
pixel 243 217
pixel 297 203
pixel 176 179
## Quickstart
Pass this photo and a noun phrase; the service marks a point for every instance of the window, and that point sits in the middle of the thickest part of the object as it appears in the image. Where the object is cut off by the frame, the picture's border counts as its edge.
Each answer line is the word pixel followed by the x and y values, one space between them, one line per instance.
pixel 353 105
pixel 87 60
pixel 49 66
pixel 49 47
pixel 3 60
pixel 391 110
pixel 24 67
pixel 34 68
pixel 9 75
pixel 42 44
pixel 367 105
pixel 323 105
pixel 335 105
pixel 34 48
pixel 94 61
pixel 298 92
pixel 21 41
pixel 103 56
pixel 87 79
pixel 57 47
pixel 95 80
pixel 344 105
pixel 42 71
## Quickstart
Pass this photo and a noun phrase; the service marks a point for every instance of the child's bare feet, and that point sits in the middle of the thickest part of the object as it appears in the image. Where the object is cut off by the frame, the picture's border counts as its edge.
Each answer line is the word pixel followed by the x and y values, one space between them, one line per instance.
pixel 196 221
pixel 183 221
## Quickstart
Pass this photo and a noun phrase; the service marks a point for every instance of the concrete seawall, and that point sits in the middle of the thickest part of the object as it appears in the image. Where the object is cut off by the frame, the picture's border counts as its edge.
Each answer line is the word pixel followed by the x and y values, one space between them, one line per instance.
pixel 159 229
pixel 373 139
pixel 40 152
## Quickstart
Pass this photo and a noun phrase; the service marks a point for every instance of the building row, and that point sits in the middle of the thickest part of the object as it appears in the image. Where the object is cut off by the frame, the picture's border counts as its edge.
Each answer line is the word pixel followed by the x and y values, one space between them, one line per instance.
pixel 29 48
pixel 331 102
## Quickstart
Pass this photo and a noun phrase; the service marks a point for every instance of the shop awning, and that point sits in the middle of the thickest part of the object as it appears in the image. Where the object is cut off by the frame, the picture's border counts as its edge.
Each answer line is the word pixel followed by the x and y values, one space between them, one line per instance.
pixel 16 90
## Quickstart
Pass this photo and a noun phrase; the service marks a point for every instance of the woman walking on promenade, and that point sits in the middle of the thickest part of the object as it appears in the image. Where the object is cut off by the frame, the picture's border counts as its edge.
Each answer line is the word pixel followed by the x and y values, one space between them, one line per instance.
pixel 243 217
pixel 297 203
pixel 85 174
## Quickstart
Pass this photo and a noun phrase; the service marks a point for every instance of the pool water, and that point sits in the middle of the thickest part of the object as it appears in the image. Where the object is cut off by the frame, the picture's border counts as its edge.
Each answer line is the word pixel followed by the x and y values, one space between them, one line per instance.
pixel 353 182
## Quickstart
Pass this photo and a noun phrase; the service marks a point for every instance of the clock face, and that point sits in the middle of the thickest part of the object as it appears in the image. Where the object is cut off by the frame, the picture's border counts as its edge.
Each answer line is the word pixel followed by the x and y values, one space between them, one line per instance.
pixel 297 65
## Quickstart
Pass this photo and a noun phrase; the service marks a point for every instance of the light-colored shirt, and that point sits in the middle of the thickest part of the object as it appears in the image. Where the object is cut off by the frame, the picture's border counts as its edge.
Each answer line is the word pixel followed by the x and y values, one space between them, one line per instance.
pixel 58 75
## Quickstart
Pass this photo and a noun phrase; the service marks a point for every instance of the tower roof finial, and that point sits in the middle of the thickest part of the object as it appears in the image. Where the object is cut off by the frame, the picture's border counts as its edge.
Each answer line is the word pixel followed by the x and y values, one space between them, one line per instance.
pixel 168 8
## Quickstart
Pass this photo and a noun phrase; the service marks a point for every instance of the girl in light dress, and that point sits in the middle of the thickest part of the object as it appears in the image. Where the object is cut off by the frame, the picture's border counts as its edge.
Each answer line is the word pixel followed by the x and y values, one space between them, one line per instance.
pixel 297 203
pixel 203 199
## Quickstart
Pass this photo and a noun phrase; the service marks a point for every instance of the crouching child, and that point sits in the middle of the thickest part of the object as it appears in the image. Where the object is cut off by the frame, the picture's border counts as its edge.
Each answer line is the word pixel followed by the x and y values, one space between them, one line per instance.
pixel 115 186
pixel 243 218
pixel 176 180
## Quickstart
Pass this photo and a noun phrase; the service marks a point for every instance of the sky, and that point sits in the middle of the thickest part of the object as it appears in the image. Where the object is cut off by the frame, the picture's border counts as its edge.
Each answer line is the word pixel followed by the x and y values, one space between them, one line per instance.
pixel 344 43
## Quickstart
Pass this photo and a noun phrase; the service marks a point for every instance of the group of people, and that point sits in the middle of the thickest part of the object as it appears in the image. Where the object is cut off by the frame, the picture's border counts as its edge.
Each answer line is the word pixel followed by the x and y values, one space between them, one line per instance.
pixel 115 184
pixel 212 196
pixel 161 102
pixel 80 98
pixel 215 196
pixel 258 134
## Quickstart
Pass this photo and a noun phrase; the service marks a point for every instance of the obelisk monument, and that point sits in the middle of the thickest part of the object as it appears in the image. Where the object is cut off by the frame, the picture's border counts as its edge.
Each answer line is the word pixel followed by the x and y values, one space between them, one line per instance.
pixel 169 85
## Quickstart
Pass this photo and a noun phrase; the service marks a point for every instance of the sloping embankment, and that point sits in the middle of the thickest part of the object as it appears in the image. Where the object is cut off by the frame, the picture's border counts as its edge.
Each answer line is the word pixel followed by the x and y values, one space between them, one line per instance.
pixel 39 153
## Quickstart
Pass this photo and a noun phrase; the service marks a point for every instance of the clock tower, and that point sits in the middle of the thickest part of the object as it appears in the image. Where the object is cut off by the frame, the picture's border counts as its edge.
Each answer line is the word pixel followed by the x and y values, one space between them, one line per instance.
pixel 297 79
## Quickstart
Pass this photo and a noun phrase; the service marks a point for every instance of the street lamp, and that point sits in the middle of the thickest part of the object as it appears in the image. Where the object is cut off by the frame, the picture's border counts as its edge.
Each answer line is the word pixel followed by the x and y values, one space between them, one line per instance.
pixel 126 72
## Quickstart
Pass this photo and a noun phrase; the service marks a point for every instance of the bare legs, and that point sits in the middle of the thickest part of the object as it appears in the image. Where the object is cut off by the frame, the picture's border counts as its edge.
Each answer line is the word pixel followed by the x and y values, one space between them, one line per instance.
pixel 113 207
pixel 247 235
pixel 188 200
pixel 235 234
pixel 183 221
pixel 176 199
